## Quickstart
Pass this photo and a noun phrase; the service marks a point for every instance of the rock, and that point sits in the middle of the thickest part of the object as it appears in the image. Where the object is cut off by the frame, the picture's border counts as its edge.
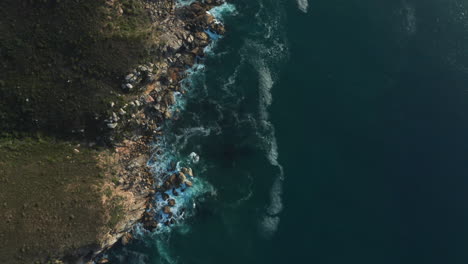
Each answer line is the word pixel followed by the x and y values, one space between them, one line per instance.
pixel 171 202
pixel 189 172
pixel 208 19
pixel 198 51
pixel 190 39
pixel 128 86
pixel 167 115
pixel 126 238
pixel 112 125
pixel 165 196
pixel 188 183
pixel 149 99
pixel 219 29
pixel 181 177
pixel 188 59
pixel 174 192
pixel 76 151
pixel 202 36
pixel 122 112
pixel 173 179
pixel 167 209
pixel 103 261
pixel 170 98
pixel 129 77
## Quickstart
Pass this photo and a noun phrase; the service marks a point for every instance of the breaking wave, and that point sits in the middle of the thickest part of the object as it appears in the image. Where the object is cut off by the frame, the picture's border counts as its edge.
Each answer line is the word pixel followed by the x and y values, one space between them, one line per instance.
pixel 303 5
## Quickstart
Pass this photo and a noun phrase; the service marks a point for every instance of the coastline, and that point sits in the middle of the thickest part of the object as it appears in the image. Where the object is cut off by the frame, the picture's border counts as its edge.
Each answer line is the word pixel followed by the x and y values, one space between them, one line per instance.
pixel 188 30
pixel 86 94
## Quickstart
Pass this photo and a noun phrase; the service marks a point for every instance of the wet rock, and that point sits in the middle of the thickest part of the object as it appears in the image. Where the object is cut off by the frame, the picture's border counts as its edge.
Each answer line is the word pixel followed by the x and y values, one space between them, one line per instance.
pixel 103 261
pixel 188 59
pixel 198 51
pixel 181 178
pixel 173 179
pixel 174 192
pixel 167 209
pixel 219 29
pixel 208 19
pixel 167 114
pixel 188 183
pixel 188 171
pixel 165 196
pixel 126 238
pixel 171 202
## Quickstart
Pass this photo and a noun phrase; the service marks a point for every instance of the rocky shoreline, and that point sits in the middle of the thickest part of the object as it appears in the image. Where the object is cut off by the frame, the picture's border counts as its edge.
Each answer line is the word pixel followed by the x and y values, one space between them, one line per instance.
pixel 134 124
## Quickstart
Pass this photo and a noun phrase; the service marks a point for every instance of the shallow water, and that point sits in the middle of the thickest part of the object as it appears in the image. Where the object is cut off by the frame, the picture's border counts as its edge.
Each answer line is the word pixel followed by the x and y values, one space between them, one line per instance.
pixel 327 132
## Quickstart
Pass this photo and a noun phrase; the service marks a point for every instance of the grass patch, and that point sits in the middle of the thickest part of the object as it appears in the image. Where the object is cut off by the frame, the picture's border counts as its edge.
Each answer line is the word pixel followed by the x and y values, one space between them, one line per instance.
pixel 62 62
pixel 49 203
pixel 116 212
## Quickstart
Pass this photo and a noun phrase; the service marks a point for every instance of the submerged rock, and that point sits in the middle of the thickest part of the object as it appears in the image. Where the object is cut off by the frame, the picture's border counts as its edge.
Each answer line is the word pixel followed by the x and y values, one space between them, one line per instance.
pixel 171 202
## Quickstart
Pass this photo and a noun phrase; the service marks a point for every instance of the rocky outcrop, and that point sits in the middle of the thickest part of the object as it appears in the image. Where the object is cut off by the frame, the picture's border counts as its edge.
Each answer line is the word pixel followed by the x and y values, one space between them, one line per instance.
pixel 148 92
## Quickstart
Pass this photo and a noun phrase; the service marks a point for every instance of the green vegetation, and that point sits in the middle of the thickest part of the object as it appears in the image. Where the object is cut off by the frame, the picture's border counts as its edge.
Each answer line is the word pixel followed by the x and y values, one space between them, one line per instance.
pixel 49 200
pixel 116 211
pixel 63 62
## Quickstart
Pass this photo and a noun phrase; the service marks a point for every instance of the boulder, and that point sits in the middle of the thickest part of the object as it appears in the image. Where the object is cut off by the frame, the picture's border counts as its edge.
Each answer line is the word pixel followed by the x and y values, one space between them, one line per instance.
pixel 173 179
pixel 202 36
pixel 218 28
pixel 171 202
pixel 129 77
pixel 189 172
pixel 167 209
pixel 181 178
pixel 126 238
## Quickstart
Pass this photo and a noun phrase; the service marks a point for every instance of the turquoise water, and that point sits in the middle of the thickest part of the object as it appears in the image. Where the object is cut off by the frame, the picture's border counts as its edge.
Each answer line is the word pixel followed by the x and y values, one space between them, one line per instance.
pixel 327 131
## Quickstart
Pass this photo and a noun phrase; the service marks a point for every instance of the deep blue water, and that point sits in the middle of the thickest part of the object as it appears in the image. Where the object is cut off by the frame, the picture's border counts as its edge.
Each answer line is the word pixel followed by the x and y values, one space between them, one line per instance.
pixel 334 135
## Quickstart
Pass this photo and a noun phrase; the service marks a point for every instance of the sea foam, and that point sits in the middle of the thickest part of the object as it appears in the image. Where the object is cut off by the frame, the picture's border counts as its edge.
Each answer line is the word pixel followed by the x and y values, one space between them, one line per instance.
pixel 303 5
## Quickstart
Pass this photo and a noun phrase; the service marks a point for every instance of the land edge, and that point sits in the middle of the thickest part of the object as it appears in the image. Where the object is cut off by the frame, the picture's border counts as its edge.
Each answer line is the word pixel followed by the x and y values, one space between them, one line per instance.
pixel 185 36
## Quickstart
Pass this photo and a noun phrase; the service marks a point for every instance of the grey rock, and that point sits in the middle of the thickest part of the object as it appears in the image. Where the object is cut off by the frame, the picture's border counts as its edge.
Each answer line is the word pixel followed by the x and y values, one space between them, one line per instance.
pixel 112 125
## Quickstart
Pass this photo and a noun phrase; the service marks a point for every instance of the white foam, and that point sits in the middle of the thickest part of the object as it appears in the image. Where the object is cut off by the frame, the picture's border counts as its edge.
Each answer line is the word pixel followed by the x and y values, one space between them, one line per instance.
pixel 219 12
pixel 265 84
pixel 164 252
pixel 194 157
pixel 303 5
pixel 269 225
pixel 276 202
pixel 409 13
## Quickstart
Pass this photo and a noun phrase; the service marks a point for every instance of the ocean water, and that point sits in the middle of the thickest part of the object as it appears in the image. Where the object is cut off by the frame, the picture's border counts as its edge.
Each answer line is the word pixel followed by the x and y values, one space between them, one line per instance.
pixel 322 131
